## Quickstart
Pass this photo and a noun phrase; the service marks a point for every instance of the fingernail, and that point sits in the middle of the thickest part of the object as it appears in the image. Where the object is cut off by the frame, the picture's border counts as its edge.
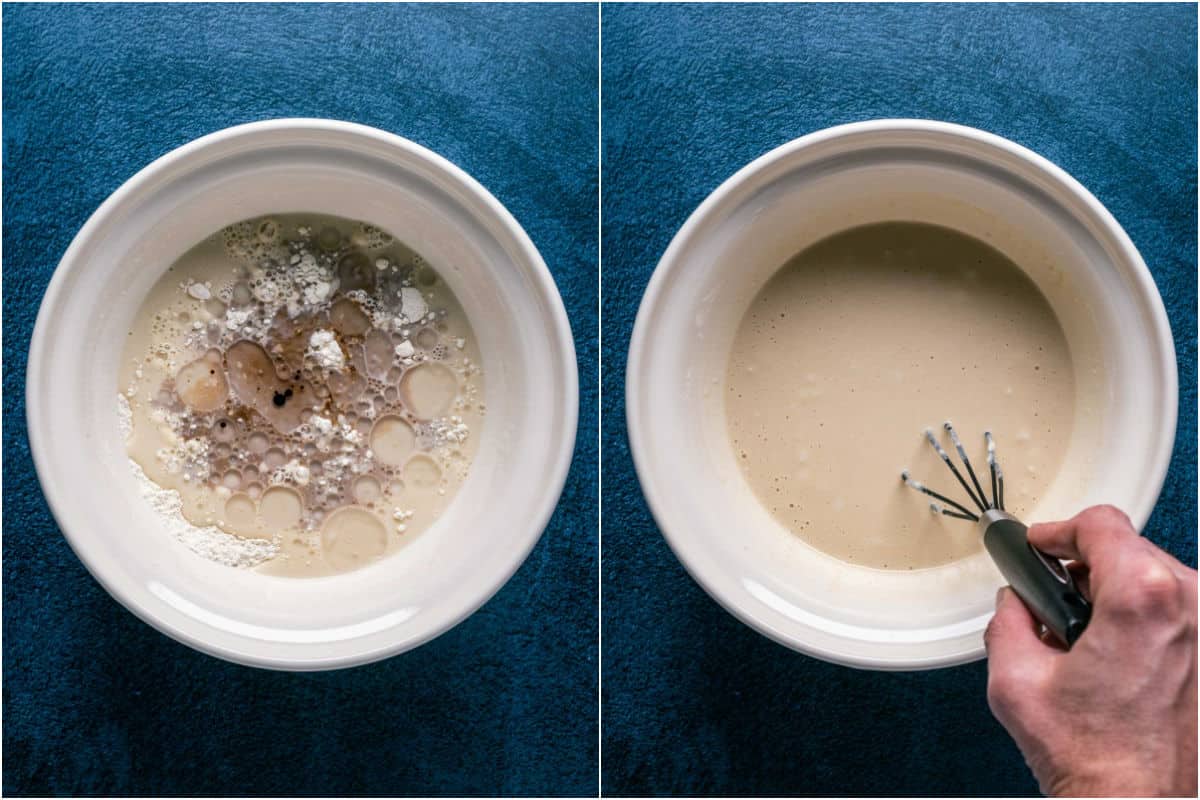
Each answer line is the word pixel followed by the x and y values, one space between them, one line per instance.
pixel 1000 595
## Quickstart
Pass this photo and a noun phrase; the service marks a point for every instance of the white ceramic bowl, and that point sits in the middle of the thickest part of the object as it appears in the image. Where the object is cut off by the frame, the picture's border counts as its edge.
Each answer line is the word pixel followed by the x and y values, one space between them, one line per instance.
pixel 806 190
pixel 531 391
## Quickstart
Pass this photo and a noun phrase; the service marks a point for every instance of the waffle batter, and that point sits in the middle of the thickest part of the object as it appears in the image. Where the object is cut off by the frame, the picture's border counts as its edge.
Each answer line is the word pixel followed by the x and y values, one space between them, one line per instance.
pixel 859 343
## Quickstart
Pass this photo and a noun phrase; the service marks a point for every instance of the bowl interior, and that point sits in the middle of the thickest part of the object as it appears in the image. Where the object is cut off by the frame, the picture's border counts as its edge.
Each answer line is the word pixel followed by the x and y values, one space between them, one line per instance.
pixel 529 385
pixel 731 247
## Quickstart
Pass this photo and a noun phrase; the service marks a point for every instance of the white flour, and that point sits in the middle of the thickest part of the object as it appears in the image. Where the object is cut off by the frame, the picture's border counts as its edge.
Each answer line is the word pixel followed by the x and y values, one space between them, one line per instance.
pixel 211 543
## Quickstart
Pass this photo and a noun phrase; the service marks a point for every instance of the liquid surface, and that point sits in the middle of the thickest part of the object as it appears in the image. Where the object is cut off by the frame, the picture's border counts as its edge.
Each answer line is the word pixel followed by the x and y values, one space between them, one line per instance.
pixel 306 381
pixel 860 343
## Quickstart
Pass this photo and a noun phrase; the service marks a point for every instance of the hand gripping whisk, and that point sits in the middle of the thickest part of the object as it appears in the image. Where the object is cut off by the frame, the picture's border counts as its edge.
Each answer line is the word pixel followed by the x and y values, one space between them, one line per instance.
pixel 1040 580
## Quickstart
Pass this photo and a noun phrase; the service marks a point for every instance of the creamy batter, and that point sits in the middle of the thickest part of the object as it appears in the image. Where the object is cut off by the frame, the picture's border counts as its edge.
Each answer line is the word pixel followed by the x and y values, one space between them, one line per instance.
pixel 864 340
pixel 306 382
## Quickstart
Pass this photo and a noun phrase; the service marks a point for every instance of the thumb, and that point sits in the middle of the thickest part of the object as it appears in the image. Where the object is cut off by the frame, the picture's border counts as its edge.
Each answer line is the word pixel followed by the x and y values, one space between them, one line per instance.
pixel 1015 653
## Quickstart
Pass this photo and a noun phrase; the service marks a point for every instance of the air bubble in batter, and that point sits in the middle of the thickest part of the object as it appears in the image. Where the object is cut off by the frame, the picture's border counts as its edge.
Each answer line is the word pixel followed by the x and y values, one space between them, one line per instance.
pixel 352 537
pixel 224 430
pixel 428 390
pixel 392 440
pixel 427 338
pixel 281 507
pixel 367 490
pixel 422 472
pixel 240 511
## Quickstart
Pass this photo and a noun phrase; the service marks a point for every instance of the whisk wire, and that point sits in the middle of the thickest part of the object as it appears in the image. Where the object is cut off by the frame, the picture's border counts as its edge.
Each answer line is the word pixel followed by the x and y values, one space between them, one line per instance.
pixel 962 453
pixel 991 459
pixel 946 458
pixel 978 494
pixel 963 512
pixel 949 513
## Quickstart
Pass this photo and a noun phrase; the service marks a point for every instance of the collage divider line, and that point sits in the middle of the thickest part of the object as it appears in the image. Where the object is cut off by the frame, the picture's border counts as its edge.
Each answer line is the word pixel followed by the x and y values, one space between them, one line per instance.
pixel 599 395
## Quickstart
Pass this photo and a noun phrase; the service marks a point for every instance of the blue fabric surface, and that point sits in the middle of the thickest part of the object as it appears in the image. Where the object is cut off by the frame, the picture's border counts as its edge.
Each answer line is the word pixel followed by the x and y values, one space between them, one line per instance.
pixel 97 702
pixel 695 702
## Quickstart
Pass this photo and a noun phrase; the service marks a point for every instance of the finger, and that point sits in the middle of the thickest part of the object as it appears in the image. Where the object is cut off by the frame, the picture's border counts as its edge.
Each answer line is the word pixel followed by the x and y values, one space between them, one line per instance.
pixel 1129 579
pixel 1018 660
pixel 1013 637
pixel 1096 536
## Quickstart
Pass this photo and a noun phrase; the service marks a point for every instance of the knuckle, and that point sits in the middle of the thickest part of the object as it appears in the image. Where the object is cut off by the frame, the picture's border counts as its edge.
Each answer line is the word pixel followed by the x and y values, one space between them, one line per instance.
pixel 992 633
pixel 1000 690
pixel 1185 629
pixel 989 632
pixel 1008 687
pixel 1107 515
pixel 1152 588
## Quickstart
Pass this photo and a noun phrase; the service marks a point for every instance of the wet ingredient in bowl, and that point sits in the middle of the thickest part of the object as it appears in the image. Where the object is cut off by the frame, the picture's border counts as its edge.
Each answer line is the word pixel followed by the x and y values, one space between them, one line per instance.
pixel 306 383
pixel 860 342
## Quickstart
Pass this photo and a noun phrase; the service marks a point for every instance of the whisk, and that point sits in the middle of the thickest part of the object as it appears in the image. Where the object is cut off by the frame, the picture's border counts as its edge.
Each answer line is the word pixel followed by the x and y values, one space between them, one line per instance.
pixel 1040 580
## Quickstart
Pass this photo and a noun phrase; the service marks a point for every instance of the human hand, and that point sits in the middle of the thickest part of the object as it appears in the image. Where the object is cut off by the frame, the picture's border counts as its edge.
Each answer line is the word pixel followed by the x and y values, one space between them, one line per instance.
pixel 1116 715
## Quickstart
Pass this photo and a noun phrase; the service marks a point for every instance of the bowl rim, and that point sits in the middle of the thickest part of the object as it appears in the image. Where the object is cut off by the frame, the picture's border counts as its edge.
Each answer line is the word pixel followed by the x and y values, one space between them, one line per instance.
pixel 670 262
pixel 526 252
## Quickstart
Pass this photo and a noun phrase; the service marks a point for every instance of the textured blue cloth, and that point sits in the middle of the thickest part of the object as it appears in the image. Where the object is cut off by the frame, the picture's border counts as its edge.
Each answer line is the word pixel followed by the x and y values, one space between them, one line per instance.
pixel 695 702
pixel 96 701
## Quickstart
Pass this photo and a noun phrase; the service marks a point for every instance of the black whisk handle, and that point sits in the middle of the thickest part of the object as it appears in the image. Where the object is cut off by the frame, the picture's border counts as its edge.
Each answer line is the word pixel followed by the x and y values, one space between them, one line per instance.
pixel 1041 581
